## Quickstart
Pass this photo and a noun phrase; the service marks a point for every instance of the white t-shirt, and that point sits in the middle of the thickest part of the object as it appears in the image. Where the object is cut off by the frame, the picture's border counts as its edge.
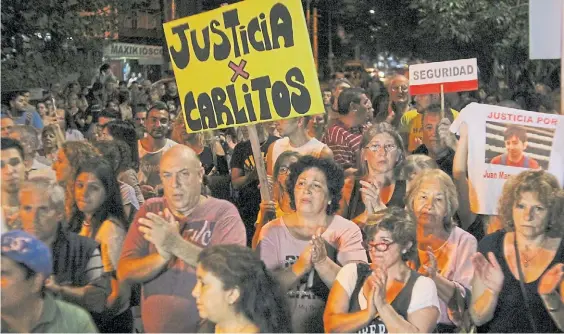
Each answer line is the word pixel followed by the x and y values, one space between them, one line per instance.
pixel 489 159
pixel 313 147
pixel 424 291
pixel 149 164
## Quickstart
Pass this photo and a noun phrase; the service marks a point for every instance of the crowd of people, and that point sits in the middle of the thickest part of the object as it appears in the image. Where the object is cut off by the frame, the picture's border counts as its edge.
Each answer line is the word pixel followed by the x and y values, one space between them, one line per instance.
pixel 115 219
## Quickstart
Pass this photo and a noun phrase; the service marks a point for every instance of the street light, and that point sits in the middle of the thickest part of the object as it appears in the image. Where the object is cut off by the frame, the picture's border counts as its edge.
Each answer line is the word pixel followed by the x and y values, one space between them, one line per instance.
pixel 372 11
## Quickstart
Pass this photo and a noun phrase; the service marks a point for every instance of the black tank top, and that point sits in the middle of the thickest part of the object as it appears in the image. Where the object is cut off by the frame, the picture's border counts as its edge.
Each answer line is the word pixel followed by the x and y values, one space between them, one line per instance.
pixel 400 303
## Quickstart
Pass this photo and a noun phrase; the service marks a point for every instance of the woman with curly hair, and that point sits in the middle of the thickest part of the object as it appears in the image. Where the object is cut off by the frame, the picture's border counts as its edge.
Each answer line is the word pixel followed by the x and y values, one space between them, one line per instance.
pixel 69 157
pixel 517 285
pixel 308 247
pixel 235 293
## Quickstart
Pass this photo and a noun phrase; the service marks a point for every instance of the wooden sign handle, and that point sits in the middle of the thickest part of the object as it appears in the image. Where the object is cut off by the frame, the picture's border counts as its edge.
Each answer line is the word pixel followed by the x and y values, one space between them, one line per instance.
pixel 259 163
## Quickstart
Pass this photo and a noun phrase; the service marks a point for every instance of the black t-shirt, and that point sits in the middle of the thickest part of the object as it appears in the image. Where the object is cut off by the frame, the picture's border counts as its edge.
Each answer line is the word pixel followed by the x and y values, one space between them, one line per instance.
pixel 249 196
pixel 510 315
pixel 445 162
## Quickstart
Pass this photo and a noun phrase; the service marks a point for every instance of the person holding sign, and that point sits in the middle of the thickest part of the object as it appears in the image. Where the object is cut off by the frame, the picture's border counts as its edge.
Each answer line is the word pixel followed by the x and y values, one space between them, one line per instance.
pixel 386 296
pixel 295 138
pixel 438 142
pixel 517 285
pixel 308 247
pixel 515 138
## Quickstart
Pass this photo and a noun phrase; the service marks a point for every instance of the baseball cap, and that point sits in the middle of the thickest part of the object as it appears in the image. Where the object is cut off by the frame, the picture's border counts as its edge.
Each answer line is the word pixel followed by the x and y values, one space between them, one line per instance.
pixel 26 249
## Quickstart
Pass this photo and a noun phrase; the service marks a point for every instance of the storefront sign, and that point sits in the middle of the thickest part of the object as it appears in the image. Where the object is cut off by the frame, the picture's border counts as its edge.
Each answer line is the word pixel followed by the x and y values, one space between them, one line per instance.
pixel 126 50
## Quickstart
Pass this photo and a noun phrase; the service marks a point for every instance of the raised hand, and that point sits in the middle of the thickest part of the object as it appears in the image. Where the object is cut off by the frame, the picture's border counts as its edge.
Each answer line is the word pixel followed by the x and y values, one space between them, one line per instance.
pixel 445 135
pixel 488 271
pixel 318 250
pixel 371 197
pixel 431 267
pixel 378 280
pixel 551 279
pixel 160 230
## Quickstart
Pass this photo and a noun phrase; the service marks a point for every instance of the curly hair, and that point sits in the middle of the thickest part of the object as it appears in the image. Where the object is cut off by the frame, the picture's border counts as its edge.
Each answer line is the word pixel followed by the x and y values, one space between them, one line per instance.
pixel 447 186
pixel 373 131
pixel 399 223
pixel 125 131
pixel 548 192
pixel 76 152
pixel 261 298
pixel 116 153
pixel 333 174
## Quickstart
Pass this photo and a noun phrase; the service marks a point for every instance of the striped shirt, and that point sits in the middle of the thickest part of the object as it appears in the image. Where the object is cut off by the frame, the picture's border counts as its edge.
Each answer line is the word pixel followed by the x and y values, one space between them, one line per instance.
pixel 344 144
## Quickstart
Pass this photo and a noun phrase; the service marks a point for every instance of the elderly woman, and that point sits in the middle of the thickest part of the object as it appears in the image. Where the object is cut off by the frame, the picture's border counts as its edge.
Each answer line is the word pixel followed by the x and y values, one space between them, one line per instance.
pixel 308 247
pixel 280 206
pixel 52 139
pixel 444 250
pixel 235 293
pixel 387 296
pixel 376 186
pixel 413 165
pixel 517 285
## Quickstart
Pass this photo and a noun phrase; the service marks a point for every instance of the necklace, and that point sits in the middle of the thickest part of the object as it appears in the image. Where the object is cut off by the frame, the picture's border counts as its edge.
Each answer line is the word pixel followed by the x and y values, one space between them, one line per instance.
pixel 528 259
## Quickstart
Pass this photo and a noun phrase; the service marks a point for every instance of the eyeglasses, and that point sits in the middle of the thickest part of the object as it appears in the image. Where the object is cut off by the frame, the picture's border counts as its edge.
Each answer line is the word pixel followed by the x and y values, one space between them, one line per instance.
pixel 283 170
pixel 402 88
pixel 12 162
pixel 376 147
pixel 380 247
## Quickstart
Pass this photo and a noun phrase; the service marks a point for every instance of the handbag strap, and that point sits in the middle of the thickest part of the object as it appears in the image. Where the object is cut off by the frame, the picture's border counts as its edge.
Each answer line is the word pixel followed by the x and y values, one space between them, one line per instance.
pixel 522 285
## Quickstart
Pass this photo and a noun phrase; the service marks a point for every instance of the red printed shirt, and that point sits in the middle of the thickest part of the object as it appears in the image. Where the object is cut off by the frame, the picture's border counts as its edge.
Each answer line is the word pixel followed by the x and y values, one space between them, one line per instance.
pixel 167 305
pixel 344 144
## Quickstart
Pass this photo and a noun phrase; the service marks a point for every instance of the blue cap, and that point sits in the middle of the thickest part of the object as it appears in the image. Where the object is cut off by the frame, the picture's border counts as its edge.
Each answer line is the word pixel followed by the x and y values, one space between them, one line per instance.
pixel 26 249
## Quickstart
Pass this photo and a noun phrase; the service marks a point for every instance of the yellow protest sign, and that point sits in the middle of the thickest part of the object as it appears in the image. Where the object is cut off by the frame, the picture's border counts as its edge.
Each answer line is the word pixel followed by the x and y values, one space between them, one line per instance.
pixel 242 64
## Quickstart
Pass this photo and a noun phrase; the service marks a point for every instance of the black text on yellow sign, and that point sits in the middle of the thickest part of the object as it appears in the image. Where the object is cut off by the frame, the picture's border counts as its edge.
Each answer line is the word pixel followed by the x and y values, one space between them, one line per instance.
pixel 244 64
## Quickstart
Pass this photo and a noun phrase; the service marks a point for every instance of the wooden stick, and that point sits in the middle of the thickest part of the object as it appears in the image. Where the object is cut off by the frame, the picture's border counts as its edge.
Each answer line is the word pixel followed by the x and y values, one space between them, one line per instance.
pixel 259 163
pixel 442 101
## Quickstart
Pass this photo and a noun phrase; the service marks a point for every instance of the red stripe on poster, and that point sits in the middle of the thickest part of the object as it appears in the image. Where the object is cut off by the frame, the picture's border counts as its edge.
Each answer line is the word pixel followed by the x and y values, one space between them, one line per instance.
pixel 449 87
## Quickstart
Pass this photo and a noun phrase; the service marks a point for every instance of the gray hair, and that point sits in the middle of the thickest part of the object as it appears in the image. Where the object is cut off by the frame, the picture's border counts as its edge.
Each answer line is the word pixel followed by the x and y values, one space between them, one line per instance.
pixel 415 163
pixel 28 136
pixel 448 187
pixel 55 193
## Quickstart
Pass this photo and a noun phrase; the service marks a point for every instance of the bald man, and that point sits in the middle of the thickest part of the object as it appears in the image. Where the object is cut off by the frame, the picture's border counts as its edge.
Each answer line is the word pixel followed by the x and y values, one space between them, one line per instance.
pixel 398 91
pixel 167 234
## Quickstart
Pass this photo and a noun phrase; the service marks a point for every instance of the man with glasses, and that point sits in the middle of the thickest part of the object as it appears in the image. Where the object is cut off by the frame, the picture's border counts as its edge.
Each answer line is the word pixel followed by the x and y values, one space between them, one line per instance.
pixel 13 175
pixel 398 91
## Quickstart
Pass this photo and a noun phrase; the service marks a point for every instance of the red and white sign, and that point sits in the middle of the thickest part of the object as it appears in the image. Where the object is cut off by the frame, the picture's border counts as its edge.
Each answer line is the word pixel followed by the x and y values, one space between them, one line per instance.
pixel 454 75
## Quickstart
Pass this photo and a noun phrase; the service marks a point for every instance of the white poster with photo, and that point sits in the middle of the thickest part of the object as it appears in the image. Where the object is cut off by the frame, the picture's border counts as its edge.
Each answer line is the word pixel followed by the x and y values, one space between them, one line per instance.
pixel 504 142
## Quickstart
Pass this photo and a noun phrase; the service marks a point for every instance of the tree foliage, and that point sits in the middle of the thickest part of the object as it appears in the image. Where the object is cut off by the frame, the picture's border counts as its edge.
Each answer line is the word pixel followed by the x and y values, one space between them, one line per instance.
pixel 44 41
pixel 494 31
